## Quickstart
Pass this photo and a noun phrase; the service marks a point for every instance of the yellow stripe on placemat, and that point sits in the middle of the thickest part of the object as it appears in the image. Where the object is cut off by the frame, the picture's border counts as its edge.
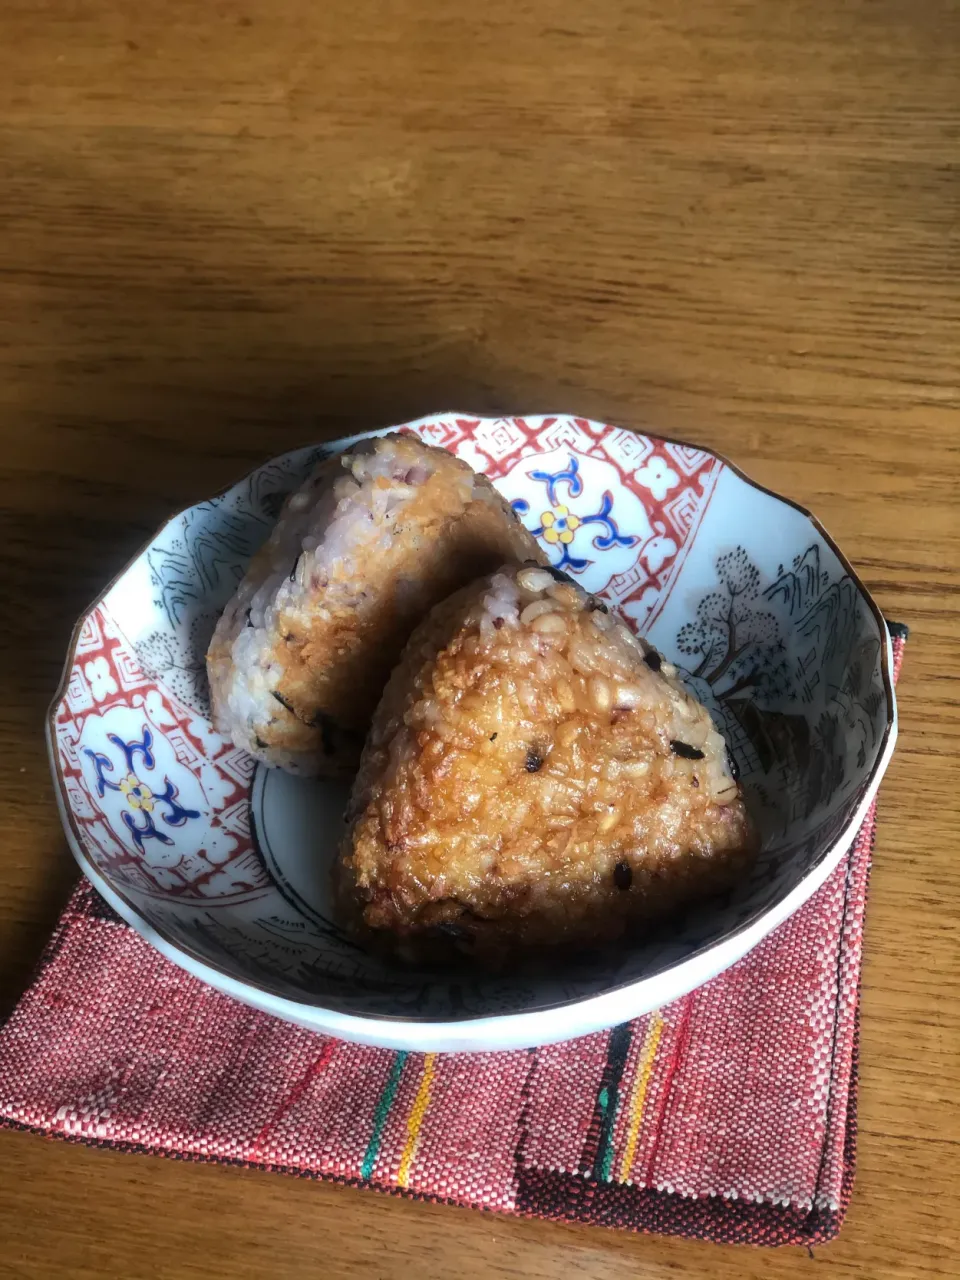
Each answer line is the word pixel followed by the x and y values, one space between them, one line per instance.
pixel 641 1082
pixel 415 1120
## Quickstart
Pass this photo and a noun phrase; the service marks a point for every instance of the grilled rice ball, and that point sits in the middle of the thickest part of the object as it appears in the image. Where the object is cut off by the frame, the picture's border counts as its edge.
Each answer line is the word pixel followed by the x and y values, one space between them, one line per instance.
pixel 535 776
pixel 361 552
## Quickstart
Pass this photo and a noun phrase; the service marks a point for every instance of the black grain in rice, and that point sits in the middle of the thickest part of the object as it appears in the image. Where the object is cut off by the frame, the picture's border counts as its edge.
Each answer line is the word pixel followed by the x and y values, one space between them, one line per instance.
pixel 622 875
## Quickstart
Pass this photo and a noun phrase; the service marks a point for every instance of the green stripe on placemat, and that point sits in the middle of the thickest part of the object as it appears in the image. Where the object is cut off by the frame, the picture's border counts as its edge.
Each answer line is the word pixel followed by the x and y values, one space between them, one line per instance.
pixel 384 1103
pixel 608 1099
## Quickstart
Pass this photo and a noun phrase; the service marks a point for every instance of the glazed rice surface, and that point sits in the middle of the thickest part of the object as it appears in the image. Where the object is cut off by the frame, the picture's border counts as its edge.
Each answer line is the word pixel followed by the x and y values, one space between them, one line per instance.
pixel 373 539
pixel 535 776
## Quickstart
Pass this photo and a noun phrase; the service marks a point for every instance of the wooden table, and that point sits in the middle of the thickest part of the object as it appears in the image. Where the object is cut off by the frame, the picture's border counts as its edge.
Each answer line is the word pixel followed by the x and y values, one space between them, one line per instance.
pixel 230 227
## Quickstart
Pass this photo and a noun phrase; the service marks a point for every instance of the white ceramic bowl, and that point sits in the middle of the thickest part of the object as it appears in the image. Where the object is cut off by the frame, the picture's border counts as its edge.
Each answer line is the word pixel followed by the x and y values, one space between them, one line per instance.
pixel 223 866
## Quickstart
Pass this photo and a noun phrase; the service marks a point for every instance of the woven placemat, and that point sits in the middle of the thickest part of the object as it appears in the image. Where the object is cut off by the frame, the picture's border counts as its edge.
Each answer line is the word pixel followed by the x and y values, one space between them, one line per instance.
pixel 728 1115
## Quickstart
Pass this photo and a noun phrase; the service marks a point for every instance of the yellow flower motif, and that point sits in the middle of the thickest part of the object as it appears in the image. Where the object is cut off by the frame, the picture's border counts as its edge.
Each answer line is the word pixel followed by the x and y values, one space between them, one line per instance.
pixel 138 794
pixel 559 525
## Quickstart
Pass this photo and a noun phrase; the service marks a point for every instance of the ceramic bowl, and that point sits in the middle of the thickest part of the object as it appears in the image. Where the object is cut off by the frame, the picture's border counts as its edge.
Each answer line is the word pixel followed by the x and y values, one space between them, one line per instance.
pixel 223 865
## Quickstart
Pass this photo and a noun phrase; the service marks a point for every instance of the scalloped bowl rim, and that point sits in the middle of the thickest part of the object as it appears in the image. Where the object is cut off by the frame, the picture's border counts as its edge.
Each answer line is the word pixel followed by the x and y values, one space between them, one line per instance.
pixel 542 1024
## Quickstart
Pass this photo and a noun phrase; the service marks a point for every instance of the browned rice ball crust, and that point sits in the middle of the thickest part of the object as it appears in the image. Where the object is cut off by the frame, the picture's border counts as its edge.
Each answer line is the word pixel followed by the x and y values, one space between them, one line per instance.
pixel 534 776
pixel 361 552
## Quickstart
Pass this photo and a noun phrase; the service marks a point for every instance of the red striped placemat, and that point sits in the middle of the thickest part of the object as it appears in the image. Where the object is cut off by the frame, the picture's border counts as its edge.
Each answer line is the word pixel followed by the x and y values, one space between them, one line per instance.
pixel 728 1115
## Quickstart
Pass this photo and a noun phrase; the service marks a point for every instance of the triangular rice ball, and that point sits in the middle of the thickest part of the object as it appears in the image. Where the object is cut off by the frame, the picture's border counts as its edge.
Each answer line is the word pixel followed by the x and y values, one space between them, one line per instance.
pixel 361 552
pixel 535 775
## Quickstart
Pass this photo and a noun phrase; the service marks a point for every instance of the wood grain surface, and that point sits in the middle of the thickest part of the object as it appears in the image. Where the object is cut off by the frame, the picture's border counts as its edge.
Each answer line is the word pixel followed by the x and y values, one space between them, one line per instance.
pixel 231 226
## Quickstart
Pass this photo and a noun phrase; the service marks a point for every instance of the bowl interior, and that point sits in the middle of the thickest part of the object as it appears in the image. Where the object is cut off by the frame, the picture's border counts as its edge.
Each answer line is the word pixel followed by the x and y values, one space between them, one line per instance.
pixel 230 862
